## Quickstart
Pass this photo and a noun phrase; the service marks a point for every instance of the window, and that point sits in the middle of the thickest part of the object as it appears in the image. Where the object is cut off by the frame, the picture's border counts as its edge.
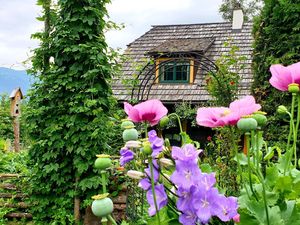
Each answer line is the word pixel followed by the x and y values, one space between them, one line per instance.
pixel 174 71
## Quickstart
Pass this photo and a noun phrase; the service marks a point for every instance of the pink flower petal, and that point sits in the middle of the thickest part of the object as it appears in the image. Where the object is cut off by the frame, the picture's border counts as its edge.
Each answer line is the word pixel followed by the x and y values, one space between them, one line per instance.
pixel 211 117
pixel 281 77
pixel 244 106
pixel 295 71
pixel 132 113
pixel 151 111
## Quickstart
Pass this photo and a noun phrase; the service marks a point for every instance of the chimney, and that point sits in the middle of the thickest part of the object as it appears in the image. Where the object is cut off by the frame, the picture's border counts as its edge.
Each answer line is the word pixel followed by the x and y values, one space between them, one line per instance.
pixel 237 19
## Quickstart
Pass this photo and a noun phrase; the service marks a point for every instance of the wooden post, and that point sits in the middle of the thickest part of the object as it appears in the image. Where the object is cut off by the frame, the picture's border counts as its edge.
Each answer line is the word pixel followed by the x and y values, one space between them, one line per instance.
pixel 16 134
pixel 76 203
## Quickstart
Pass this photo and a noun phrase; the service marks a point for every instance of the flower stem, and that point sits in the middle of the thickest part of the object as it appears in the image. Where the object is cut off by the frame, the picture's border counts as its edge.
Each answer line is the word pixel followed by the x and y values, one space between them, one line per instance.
pixel 292 131
pixel 247 135
pixel 111 219
pixel 260 176
pixel 178 120
pixel 153 189
pixel 297 127
pixel 103 181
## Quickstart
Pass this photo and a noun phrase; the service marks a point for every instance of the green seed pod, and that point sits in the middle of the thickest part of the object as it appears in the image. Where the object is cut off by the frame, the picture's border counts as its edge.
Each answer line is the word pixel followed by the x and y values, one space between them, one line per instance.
pixel 130 135
pixel 164 121
pixel 102 207
pixel 127 123
pixel 260 119
pixel 247 124
pixel 103 163
pixel 293 88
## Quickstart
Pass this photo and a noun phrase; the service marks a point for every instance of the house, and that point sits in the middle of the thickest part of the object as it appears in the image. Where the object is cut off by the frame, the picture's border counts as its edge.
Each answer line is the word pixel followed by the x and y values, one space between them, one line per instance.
pixel 169 62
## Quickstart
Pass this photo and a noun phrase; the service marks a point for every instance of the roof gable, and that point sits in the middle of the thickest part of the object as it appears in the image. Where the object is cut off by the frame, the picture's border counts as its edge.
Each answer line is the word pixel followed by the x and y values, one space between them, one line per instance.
pixel 156 39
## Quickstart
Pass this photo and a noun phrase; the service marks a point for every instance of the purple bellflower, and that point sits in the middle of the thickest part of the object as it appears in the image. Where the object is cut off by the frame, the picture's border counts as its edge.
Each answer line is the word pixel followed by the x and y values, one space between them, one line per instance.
pixel 126 156
pixel 161 199
pixel 157 144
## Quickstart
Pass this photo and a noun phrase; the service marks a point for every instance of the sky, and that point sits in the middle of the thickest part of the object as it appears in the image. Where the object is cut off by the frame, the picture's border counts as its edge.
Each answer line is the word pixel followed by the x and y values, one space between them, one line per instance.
pixel 18 22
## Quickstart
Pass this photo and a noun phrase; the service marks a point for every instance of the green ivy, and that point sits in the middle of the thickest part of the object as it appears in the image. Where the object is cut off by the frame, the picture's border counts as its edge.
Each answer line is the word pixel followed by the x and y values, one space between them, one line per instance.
pixel 70 106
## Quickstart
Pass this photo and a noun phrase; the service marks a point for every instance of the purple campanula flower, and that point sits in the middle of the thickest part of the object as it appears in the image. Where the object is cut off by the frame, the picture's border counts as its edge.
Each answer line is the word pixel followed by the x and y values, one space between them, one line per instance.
pixel 152 135
pixel 186 153
pixel 186 174
pixel 155 171
pixel 208 180
pixel 185 198
pixel 161 199
pixel 145 183
pixel 157 143
pixel 226 208
pixel 205 203
pixel 126 156
pixel 189 217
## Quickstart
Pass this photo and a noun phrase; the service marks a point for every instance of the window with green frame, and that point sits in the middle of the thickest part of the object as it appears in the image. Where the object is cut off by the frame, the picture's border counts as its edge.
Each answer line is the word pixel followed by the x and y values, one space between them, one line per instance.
pixel 175 72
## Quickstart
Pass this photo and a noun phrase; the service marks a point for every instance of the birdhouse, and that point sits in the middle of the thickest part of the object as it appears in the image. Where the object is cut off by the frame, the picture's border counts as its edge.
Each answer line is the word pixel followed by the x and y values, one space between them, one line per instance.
pixel 15 99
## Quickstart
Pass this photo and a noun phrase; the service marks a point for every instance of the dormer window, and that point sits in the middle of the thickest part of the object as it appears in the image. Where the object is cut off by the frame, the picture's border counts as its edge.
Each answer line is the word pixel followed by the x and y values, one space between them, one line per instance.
pixel 174 71
pixel 175 59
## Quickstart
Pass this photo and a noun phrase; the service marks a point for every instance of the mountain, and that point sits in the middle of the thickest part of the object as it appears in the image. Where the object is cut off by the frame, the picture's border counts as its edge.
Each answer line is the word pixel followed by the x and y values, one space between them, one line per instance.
pixel 11 79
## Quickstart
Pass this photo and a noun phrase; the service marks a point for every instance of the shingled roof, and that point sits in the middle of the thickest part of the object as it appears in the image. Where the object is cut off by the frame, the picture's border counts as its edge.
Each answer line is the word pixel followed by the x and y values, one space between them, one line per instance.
pixel 208 38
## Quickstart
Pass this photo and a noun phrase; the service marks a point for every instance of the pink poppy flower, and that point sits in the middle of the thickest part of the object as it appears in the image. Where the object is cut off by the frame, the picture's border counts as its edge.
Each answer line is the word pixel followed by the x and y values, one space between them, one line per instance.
pixel 221 116
pixel 282 76
pixel 244 106
pixel 151 111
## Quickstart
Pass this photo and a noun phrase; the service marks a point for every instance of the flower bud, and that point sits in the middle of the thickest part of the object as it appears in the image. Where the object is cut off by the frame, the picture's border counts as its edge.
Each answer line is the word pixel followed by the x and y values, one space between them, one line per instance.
pixel 133 144
pixel 247 124
pixel 164 121
pixel 282 109
pixel 293 88
pixel 130 134
pixel 135 174
pixel 167 143
pixel 166 162
pixel 147 150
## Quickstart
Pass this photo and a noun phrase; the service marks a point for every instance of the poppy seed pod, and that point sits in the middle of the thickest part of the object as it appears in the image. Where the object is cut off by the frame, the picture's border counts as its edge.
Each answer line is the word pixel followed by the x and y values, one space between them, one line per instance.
pixel 102 207
pixel 260 118
pixel 293 88
pixel 130 134
pixel 247 124
pixel 103 163
pixel 127 123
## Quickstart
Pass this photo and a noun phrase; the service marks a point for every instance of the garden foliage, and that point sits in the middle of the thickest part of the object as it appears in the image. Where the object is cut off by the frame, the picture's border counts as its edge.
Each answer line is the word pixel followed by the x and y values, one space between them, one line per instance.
pixel 276 34
pixel 69 107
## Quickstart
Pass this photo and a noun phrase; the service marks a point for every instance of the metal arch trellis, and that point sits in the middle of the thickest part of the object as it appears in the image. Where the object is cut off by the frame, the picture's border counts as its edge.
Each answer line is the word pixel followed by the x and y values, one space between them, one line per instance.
pixel 148 79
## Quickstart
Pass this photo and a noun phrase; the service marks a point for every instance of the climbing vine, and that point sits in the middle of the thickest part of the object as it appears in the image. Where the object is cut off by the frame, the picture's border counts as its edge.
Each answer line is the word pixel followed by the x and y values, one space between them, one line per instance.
pixel 69 107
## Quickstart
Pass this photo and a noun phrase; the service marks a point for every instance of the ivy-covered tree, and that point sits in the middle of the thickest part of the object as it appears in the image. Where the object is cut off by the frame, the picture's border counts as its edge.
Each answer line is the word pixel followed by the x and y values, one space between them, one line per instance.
pixel 68 107
pixel 277 40
pixel 250 8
